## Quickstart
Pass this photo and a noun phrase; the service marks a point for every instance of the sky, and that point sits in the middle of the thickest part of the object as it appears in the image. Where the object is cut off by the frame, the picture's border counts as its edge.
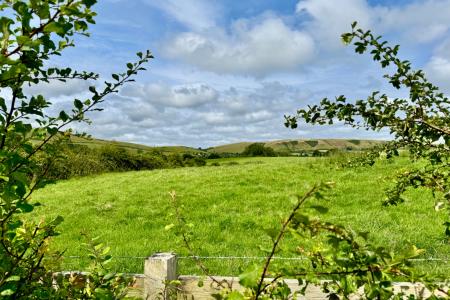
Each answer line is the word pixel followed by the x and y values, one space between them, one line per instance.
pixel 229 70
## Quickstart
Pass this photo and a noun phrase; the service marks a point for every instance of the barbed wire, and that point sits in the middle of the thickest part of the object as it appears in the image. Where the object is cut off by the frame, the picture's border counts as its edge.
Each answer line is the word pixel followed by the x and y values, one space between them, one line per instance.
pixel 251 258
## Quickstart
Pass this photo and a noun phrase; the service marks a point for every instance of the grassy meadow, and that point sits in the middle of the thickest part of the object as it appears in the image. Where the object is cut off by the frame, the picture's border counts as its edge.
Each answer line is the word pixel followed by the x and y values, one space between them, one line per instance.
pixel 230 205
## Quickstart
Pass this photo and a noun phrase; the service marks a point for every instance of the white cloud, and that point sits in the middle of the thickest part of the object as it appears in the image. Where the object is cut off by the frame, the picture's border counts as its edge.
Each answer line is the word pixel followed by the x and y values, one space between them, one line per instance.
pixel 173 96
pixel 249 49
pixel 56 88
pixel 420 21
pixel 259 116
pixel 438 67
pixel 196 14
pixel 216 118
pixel 236 81
pixel 417 22
pixel 329 19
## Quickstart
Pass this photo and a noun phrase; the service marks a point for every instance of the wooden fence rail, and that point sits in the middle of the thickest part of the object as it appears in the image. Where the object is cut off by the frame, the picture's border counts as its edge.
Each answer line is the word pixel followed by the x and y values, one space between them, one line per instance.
pixel 162 267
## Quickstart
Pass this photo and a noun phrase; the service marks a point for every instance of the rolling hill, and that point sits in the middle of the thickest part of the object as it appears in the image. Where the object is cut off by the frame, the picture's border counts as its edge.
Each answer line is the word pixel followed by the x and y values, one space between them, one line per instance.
pixel 302 145
pixel 291 146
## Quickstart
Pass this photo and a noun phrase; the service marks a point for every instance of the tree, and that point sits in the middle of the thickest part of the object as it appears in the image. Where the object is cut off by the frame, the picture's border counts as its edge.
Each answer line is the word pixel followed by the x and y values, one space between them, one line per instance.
pixel 419 123
pixel 258 149
pixel 31 33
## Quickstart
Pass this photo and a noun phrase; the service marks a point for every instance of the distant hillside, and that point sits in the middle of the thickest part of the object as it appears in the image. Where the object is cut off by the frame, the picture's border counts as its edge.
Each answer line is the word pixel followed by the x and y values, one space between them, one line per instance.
pixel 301 145
pixel 279 146
pixel 91 142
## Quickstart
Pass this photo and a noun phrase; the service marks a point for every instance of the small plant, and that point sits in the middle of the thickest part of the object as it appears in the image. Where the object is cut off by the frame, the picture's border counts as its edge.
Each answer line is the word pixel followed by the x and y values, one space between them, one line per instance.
pixel 98 282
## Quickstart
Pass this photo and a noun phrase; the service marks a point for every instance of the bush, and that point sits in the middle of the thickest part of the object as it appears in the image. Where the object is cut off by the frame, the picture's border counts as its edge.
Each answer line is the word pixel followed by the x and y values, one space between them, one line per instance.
pixel 213 155
pixel 258 149
pixel 79 160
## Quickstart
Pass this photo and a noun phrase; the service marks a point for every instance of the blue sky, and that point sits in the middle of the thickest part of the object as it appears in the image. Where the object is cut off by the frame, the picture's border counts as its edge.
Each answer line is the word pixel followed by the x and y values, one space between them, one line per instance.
pixel 227 71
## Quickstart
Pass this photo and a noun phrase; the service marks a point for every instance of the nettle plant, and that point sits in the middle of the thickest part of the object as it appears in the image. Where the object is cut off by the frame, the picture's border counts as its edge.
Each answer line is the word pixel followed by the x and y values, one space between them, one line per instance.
pixel 31 33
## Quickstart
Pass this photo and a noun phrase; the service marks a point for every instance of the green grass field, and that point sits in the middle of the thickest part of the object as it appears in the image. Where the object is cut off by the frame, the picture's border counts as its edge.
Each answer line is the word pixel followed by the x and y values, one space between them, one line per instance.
pixel 230 205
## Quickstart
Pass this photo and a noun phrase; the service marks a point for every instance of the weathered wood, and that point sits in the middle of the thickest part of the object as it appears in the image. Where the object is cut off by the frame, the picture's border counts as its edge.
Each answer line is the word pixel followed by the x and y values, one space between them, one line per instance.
pixel 159 269
pixel 189 288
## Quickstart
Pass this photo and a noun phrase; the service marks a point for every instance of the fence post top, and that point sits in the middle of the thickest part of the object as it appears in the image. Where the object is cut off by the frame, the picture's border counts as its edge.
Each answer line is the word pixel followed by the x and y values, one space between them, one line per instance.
pixel 162 256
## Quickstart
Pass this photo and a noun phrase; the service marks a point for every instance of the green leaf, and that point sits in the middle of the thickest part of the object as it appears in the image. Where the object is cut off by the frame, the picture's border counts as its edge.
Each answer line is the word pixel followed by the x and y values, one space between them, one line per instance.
pixel 13 278
pixel 7 292
pixel 347 38
pixel 235 295
pixel 25 207
pixel 78 104
pixel 250 277
pixel 63 116
pixel 272 233
pixel 55 27
pixel 89 3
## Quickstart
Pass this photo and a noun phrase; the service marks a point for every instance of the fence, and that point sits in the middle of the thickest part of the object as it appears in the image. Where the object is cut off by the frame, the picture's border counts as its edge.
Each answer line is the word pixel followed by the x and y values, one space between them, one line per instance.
pixel 162 267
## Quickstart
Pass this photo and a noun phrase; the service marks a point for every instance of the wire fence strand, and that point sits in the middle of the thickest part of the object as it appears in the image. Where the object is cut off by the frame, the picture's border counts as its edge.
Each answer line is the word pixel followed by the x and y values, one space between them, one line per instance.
pixel 252 258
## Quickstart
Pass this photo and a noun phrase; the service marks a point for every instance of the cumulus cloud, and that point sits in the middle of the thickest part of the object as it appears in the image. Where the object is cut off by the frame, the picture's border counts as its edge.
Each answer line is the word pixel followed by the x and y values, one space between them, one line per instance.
pixel 240 73
pixel 438 67
pixel 173 96
pixel 420 21
pixel 266 44
pixel 56 88
pixel 196 14
pixel 236 115
pixel 249 49
pixel 329 19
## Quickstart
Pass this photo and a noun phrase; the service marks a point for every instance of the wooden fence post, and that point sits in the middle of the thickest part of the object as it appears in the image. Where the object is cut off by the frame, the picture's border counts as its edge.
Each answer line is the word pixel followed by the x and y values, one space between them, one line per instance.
pixel 159 268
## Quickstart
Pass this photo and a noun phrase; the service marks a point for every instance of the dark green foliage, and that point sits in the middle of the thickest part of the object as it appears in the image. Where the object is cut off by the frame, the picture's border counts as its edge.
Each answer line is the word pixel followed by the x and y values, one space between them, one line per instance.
pixel 312 143
pixel 258 149
pixel 317 153
pixel 213 155
pixel 79 160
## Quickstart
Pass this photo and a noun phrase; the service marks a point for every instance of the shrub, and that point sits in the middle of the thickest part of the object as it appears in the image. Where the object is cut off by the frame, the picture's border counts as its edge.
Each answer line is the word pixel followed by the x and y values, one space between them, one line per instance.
pixel 258 149
pixel 213 155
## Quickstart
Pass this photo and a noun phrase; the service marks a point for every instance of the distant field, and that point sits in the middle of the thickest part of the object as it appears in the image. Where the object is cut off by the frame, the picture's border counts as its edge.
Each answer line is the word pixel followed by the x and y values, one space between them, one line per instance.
pixel 92 142
pixel 302 145
pixel 230 205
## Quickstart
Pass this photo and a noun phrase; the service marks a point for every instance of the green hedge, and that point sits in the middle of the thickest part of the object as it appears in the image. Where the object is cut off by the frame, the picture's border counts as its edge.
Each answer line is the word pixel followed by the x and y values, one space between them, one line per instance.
pixel 79 160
